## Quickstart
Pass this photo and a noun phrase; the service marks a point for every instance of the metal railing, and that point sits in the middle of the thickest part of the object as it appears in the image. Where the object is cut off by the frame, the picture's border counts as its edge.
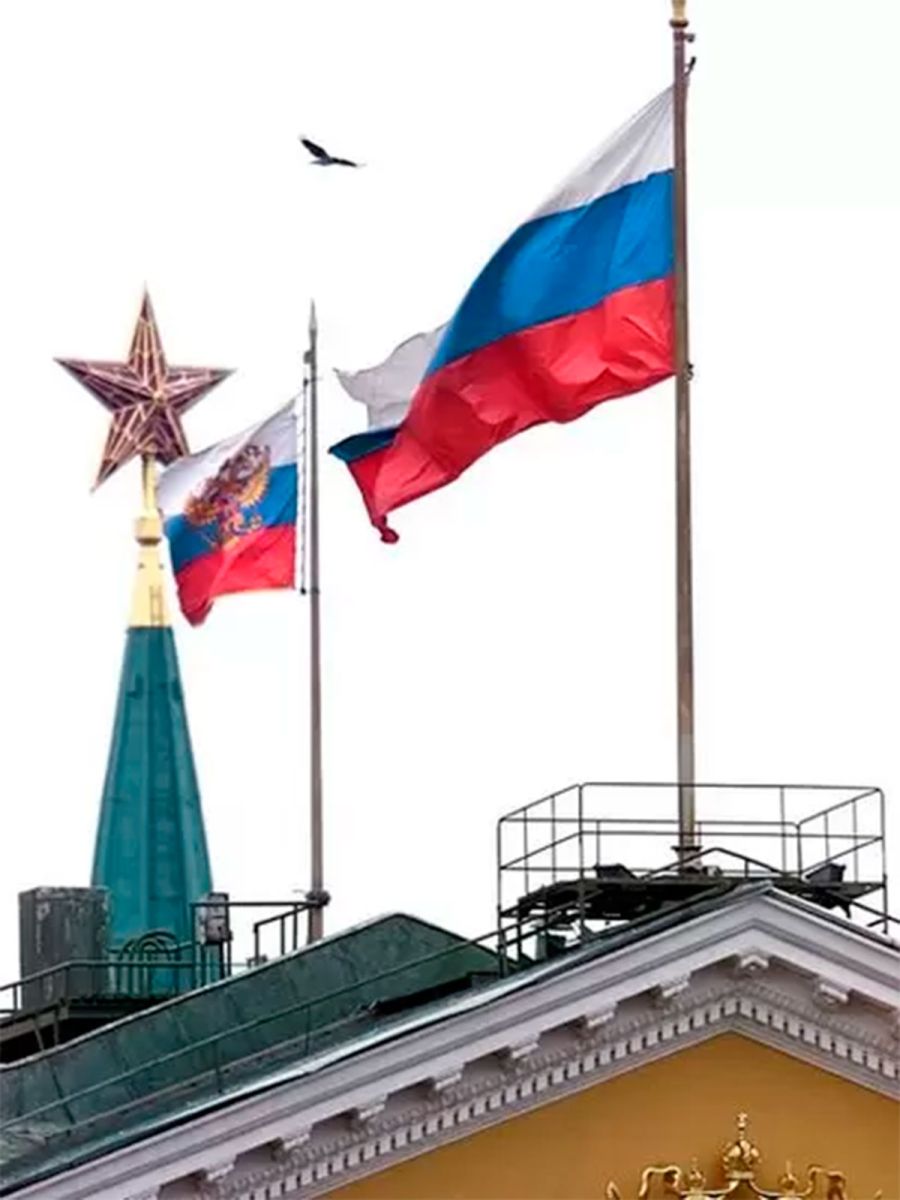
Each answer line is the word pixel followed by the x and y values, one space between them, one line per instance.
pixel 272 936
pixel 99 979
pixel 791 835
pixel 154 966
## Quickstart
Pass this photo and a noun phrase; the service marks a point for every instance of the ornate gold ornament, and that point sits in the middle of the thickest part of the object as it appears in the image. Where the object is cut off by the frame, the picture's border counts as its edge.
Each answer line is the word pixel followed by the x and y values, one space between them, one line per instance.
pixel 740 1161
pixel 218 507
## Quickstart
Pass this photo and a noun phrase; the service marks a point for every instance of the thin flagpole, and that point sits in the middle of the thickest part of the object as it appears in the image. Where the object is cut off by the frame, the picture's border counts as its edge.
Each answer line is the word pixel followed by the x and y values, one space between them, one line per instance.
pixel 317 897
pixel 687 832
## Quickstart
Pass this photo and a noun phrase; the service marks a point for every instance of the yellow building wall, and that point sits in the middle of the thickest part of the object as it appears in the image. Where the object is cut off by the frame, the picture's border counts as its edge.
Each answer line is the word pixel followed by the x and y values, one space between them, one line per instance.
pixel 670 1111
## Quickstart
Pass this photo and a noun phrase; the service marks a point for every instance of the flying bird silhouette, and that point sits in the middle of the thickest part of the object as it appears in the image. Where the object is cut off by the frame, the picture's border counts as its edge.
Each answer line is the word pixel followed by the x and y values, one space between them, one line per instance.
pixel 321 157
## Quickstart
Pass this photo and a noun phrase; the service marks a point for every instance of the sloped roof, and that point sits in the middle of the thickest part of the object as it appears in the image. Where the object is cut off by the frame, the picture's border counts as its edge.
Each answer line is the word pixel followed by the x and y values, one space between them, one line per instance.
pixel 107 1086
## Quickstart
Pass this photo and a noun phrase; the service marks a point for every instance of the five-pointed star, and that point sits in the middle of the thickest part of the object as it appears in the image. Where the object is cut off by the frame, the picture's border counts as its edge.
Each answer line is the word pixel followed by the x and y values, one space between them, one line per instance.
pixel 145 396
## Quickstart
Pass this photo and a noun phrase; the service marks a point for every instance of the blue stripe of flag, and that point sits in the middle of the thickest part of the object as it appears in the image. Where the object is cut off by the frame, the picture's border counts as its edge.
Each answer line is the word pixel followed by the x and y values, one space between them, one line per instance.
pixel 566 263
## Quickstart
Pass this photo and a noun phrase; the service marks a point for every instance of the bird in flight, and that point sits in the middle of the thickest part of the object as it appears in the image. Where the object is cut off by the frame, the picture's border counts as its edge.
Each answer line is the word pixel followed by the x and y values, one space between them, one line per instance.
pixel 321 157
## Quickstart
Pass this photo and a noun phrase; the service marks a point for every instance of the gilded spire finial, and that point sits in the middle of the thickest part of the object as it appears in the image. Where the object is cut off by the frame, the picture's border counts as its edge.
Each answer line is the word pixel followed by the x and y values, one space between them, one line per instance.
pixel 148 604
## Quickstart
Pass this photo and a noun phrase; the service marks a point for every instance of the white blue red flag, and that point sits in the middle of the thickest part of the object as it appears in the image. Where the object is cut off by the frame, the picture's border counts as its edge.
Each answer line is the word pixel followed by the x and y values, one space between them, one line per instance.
pixel 230 515
pixel 575 308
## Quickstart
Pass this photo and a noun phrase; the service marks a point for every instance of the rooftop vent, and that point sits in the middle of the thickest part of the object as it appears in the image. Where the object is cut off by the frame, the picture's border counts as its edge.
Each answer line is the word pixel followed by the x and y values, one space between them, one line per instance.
pixel 61 925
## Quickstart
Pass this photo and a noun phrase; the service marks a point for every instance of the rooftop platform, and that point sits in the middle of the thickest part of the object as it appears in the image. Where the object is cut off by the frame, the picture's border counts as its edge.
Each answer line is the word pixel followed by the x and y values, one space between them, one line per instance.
pixel 594 854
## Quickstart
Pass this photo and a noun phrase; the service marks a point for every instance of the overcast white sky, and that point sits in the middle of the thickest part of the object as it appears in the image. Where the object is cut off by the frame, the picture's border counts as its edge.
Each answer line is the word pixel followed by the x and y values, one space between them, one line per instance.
pixel 521 635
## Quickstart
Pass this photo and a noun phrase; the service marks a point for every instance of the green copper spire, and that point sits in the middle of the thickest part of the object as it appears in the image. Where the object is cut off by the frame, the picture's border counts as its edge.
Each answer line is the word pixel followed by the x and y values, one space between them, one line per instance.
pixel 151 845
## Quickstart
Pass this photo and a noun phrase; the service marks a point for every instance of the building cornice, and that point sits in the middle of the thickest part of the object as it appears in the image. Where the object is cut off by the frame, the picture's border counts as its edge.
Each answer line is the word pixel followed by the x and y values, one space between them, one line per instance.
pixel 747 969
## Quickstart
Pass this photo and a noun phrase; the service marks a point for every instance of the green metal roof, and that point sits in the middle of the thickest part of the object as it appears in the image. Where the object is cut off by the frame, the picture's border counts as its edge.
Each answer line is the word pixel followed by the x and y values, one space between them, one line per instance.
pixel 73 1101
pixel 150 850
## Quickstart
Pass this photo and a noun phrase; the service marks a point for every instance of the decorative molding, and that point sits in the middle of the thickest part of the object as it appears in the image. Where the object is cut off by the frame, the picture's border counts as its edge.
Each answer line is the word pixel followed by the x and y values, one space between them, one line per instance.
pixel 211 1179
pixel 618 1046
pixel 751 964
pixel 519 1051
pixel 363 1115
pixel 290 1149
pixel 829 995
pixel 449 1079
pixel 667 993
pixel 219 1171
pixel 591 1021
pixel 740 1162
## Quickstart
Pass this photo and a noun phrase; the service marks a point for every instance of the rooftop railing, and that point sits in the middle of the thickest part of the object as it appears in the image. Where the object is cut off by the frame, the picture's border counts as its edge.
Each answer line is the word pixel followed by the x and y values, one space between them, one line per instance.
pixel 154 965
pixel 819 842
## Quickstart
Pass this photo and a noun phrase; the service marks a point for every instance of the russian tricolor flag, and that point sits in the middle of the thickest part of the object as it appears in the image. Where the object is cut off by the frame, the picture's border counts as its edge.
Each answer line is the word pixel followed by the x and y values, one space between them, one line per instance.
pixel 576 307
pixel 230 514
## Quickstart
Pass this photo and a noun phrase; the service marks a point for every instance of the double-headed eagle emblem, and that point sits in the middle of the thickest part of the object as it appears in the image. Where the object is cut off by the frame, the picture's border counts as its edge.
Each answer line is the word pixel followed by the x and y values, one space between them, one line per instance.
pixel 219 507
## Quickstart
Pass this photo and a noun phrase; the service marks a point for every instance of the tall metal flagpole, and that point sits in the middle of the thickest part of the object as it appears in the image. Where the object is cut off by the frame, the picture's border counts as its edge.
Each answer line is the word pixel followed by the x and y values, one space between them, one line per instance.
pixel 316 896
pixel 687 833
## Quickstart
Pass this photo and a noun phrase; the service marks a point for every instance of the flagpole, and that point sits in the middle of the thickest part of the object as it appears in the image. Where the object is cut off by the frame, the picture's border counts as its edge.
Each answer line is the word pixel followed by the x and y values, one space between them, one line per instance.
pixel 316 896
pixel 687 833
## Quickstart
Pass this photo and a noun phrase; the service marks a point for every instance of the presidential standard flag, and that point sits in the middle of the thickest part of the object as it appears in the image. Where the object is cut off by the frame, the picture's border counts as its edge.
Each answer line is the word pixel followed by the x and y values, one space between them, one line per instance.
pixel 575 308
pixel 230 514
